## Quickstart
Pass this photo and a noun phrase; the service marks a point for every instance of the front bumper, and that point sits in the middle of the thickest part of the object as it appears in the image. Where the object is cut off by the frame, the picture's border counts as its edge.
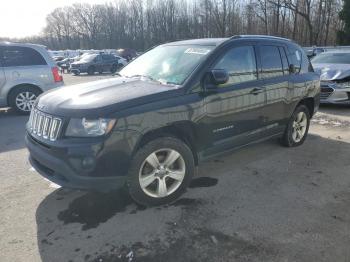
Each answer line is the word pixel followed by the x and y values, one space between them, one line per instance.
pixel 333 95
pixel 107 162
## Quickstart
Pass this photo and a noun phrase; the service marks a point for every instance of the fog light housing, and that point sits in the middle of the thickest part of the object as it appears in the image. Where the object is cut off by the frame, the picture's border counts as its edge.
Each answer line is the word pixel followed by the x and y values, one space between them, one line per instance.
pixel 88 162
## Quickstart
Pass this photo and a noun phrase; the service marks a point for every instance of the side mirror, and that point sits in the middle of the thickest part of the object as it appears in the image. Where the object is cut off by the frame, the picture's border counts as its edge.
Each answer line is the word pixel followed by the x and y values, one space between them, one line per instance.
pixel 292 69
pixel 218 77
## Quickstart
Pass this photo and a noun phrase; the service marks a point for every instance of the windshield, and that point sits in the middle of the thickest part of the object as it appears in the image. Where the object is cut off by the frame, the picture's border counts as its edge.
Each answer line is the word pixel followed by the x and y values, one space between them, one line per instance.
pixel 87 58
pixel 332 58
pixel 167 64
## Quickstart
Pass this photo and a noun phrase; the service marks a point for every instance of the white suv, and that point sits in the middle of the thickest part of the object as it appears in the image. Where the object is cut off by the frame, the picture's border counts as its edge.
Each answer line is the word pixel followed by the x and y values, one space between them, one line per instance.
pixel 26 70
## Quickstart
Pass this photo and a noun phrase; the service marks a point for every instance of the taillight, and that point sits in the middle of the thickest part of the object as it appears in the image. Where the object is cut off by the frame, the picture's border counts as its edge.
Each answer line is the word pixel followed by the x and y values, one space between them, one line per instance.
pixel 57 77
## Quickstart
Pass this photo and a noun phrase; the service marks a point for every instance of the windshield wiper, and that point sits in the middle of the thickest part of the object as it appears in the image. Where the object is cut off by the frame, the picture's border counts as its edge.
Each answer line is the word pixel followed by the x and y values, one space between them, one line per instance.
pixel 172 83
pixel 148 77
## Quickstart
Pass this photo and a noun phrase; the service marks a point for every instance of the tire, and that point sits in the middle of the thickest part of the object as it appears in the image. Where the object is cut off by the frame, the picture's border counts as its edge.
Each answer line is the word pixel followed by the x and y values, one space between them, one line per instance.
pixel 91 70
pixel 76 73
pixel 22 99
pixel 295 134
pixel 153 194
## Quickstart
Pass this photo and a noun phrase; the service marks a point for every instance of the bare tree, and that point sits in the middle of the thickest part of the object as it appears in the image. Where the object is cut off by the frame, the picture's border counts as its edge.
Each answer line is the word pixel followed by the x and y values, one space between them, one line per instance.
pixel 141 24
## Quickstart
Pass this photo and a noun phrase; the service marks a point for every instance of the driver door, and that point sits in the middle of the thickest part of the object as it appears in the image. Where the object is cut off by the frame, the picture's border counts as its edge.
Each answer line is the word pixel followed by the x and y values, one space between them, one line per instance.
pixel 234 112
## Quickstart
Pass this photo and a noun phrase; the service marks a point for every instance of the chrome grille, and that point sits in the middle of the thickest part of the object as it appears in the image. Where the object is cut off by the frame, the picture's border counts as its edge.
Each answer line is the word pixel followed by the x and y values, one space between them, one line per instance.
pixel 44 125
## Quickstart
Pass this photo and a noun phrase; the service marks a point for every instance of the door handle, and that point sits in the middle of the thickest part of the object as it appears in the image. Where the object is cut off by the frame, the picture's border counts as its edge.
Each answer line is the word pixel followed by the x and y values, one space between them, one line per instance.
pixel 257 90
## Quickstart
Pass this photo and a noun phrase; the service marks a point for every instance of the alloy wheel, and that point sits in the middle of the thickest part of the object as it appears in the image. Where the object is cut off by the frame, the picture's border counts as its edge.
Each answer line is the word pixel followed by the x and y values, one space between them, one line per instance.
pixel 299 127
pixel 25 101
pixel 162 173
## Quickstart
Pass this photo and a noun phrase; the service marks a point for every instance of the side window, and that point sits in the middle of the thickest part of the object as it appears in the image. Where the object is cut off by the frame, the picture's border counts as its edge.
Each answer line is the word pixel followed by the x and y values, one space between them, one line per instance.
pixel 270 61
pixel 306 65
pixel 295 58
pixel 99 58
pixel 284 61
pixel 21 56
pixel 240 64
pixel 107 57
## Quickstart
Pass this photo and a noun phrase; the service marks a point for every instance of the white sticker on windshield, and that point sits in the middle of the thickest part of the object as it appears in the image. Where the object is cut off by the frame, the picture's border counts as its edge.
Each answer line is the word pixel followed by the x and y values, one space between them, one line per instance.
pixel 198 51
pixel 297 53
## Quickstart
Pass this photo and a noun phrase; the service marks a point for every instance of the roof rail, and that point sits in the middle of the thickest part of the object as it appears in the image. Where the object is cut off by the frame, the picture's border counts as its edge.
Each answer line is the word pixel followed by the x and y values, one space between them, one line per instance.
pixel 260 36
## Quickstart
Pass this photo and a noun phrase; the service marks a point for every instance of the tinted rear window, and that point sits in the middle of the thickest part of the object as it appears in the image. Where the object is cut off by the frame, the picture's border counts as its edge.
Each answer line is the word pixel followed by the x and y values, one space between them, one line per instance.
pixel 21 56
pixel 270 61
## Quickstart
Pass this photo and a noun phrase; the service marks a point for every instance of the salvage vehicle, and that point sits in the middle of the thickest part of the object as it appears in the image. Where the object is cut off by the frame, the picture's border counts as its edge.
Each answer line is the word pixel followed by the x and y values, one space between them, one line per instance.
pixel 170 109
pixel 92 63
pixel 334 70
pixel 26 70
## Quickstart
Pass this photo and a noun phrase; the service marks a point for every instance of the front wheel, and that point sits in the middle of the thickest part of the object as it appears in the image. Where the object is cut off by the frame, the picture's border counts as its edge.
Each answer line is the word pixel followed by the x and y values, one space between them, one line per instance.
pixel 160 171
pixel 297 128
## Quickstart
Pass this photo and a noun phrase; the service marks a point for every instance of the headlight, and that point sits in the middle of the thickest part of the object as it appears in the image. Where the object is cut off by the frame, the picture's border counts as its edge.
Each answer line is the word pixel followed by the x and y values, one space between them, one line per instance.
pixel 89 127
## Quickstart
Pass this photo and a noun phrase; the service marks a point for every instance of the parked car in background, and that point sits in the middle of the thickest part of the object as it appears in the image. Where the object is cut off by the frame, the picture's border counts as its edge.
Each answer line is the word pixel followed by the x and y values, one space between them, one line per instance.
pixel 58 58
pixel 127 53
pixel 334 70
pixel 26 70
pixel 100 63
pixel 314 51
pixel 121 60
pixel 64 65
pixel 169 109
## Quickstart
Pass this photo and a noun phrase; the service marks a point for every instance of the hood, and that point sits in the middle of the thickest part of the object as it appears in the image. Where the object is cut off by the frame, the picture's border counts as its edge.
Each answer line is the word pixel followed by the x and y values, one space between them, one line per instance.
pixel 103 97
pixel 331 72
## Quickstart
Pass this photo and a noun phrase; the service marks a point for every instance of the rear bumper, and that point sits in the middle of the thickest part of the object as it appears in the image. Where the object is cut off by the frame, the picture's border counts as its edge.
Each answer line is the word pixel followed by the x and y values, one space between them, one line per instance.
pixel 63 165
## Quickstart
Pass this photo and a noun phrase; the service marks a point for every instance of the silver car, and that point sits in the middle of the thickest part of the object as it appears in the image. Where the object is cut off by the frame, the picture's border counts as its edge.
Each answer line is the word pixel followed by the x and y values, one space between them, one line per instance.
pixel 26 70
pixel 334 70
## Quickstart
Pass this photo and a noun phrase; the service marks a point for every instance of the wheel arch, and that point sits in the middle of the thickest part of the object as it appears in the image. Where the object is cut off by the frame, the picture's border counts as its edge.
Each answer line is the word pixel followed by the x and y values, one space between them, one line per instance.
pixel 14 88
pixel 184 131
pixel 309 102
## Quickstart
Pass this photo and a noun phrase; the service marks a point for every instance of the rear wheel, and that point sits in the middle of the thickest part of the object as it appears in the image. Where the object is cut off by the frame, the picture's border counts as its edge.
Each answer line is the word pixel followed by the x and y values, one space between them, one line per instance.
pixel 22 99
pixel 297 128
pixel 160 171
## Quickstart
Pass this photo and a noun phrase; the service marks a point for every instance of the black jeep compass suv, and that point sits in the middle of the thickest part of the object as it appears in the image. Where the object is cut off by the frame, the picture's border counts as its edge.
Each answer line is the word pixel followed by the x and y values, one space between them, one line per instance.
pixel 171 108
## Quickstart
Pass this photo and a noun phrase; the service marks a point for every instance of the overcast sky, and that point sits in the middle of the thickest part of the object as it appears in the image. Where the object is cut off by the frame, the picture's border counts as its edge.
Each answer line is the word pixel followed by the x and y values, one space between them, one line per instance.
pixel 21 18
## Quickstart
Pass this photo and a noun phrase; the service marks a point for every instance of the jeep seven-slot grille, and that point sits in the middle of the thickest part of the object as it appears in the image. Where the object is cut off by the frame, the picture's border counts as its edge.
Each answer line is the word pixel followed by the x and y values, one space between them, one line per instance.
pixel 44 125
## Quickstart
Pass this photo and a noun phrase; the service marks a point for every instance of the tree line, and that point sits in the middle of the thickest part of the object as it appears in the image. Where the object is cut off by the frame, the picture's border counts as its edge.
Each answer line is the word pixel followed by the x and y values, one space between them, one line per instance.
pixel 141 24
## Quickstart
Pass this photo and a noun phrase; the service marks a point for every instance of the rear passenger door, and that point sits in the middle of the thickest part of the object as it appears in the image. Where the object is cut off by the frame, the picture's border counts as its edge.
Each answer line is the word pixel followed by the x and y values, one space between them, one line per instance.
pixel 275 73
pixel 233 112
